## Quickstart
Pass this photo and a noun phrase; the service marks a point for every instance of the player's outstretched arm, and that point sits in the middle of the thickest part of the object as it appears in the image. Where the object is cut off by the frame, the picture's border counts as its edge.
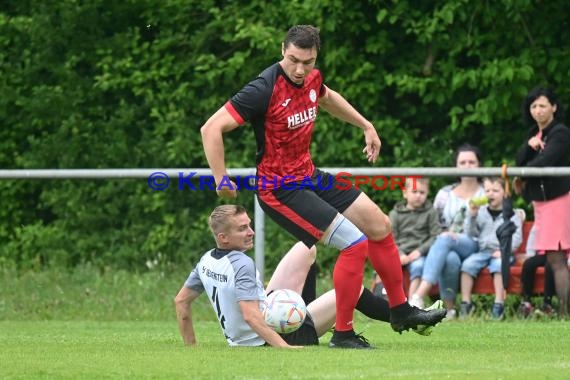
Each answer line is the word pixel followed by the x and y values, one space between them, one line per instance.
pixel 183 301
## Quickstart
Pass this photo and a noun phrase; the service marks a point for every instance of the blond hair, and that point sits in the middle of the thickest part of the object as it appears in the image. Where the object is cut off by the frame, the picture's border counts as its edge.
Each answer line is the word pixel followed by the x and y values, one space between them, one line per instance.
pixel 218 219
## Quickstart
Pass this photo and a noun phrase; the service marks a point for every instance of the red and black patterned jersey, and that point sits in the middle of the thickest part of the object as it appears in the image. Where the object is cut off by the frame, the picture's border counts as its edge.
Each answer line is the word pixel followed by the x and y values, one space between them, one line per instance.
pixel 282 114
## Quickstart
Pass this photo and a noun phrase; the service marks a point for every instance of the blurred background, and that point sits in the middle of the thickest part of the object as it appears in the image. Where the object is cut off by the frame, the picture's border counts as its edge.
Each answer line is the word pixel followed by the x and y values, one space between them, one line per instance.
pixel 106 84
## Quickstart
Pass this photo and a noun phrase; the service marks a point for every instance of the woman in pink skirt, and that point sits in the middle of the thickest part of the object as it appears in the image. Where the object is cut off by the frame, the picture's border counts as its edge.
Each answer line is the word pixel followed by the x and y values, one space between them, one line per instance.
pixel 547 145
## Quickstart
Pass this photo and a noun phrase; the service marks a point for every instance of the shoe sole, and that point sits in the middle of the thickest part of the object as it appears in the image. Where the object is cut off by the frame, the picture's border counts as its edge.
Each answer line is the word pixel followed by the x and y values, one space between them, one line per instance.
pixel 332 345
pixel 425 330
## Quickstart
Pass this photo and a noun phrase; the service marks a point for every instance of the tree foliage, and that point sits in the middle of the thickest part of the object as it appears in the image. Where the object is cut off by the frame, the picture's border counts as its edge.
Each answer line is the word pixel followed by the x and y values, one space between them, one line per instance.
pixel 104 84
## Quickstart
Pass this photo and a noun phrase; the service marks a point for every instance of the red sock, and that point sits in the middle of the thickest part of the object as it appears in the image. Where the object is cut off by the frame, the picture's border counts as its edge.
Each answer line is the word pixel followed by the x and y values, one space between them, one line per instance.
pixel 347 279
pixel 385 259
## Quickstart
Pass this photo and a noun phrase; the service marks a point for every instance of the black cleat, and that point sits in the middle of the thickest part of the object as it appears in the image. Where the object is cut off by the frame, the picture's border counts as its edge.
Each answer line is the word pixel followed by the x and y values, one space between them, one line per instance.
pixel 355 341
pixel 414 317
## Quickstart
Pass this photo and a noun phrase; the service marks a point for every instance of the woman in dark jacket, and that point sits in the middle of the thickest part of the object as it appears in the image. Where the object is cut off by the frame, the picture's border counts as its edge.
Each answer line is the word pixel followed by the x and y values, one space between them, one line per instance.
pixel 548 145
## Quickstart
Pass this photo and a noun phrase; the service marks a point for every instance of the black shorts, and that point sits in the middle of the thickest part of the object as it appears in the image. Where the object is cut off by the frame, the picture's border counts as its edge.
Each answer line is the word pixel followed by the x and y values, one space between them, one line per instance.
pixel 307 211
pixel 306 335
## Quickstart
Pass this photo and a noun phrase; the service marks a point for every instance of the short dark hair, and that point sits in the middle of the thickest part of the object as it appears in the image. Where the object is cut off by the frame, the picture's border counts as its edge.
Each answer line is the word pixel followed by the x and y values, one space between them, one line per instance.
pixel 303 37
pixel 536 93
pixel 467 148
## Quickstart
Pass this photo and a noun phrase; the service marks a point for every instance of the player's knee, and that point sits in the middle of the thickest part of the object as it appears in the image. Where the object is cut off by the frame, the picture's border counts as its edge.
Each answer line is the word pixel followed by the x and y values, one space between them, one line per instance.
pixel 313 253
pixel 342 233
pixel 178 300
pixel 380 229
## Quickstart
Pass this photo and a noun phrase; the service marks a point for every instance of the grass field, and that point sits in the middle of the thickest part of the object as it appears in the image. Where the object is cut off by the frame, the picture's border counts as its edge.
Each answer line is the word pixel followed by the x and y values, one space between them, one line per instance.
pixel 88 324
pixel 152 350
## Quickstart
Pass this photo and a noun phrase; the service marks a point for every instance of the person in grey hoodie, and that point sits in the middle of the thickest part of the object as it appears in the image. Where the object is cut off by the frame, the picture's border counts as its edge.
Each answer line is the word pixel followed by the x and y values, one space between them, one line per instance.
pixel 481 224
pixel 415 225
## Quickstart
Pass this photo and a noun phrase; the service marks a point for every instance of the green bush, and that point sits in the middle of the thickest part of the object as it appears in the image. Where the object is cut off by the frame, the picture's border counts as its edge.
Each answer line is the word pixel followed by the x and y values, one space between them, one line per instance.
pixel 128 84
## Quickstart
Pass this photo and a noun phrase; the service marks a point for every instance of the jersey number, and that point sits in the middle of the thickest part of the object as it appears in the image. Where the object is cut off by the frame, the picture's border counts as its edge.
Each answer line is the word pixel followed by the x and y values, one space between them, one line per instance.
pixel 216 301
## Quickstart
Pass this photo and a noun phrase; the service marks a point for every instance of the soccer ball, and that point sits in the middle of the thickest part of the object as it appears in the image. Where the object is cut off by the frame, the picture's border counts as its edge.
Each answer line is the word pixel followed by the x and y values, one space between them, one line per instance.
pixel 284 310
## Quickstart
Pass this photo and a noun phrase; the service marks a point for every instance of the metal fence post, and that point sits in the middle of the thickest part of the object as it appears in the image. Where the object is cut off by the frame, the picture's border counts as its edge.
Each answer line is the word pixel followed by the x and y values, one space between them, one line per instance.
pixel 259 238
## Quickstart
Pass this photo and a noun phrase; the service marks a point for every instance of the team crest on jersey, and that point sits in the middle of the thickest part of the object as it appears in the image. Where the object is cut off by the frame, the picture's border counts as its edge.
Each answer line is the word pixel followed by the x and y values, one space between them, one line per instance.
pixel 313 95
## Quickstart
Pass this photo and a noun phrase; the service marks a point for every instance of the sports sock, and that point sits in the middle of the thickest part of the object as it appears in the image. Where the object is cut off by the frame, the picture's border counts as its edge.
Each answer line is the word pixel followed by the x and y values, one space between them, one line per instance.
pixel 385 259
pixel 309 293
pixel 373 306
pixel 343 334
pixel 347 279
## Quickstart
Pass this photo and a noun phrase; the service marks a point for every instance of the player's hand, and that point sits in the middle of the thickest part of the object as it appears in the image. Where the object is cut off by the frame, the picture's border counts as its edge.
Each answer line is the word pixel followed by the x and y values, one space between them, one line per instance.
pixel 227 190
pixel 373 144
pixel 190 340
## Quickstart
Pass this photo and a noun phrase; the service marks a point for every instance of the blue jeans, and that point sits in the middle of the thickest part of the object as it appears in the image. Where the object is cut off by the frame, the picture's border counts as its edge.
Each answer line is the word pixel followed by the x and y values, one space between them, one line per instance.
pixel 416 267
pixel 477 261
pixel 443 262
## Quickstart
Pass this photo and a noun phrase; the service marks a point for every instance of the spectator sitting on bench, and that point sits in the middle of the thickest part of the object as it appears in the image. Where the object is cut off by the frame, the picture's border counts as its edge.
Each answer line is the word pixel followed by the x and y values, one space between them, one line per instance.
pixel 415 225
pixel 481 224
pixel 443 261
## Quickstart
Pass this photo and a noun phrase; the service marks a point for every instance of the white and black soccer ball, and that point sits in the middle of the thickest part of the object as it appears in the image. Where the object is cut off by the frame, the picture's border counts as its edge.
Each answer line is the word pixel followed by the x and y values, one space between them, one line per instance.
pixel 284 310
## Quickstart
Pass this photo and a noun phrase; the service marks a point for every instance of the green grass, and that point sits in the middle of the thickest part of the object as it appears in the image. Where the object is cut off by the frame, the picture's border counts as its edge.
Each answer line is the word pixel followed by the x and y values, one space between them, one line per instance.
pixel 87 324
pixel 88 293
pixel 153 350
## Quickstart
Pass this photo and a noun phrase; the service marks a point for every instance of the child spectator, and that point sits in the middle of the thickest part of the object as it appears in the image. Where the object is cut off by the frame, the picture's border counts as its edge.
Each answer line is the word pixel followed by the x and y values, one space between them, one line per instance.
pixel 481 224
pixel 415 225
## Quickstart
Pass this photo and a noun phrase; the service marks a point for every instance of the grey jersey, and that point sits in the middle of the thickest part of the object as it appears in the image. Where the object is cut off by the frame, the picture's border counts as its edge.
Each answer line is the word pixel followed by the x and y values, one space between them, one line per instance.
pixel 228 277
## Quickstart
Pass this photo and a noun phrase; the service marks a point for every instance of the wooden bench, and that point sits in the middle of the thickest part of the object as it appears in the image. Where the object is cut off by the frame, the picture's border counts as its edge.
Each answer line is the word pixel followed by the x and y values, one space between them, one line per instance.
pixel 484 282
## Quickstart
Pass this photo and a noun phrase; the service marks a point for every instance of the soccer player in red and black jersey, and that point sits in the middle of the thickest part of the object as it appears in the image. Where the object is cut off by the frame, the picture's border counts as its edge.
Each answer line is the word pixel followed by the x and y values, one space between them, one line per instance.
pixel 282 104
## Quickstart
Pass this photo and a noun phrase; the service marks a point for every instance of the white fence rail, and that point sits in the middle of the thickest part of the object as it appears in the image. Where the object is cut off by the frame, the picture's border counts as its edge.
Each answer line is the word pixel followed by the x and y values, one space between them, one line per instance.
pixel 243 172
pixel 174 172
